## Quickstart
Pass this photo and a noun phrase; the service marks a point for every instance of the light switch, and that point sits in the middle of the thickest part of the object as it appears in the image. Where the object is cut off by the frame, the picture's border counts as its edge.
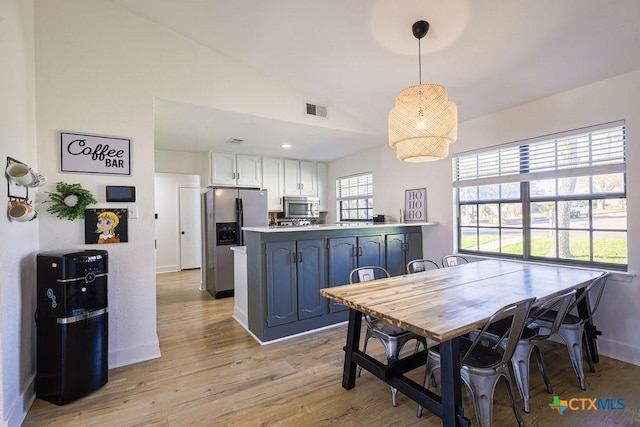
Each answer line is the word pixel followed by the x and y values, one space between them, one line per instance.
pixel 133 211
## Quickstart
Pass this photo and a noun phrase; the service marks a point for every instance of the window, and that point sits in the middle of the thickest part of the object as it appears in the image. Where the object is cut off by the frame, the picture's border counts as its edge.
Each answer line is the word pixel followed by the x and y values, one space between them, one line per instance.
pixel 354 195
pixel 557 198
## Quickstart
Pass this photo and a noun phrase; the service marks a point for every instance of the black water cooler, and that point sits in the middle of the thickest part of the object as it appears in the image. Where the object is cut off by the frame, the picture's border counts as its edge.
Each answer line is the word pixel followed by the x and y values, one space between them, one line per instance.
pixel 72 324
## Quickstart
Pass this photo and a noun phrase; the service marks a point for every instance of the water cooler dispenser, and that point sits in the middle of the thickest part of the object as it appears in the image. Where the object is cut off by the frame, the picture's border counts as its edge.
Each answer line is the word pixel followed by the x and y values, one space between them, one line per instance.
pixel 72 324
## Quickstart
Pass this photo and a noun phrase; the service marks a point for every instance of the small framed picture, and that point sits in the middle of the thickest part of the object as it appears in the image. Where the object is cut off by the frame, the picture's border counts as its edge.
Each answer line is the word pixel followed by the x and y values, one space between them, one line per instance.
pixel 105 226
pixel 415 205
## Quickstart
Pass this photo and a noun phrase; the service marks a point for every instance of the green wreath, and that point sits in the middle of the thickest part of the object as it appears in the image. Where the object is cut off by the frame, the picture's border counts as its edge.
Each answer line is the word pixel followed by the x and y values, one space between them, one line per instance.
pixel 69 201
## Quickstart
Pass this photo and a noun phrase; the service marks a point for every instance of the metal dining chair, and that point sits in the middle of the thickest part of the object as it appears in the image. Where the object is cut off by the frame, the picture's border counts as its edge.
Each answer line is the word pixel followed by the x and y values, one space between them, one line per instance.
pixel 571 330
pixel 531 335
pixel 453 260
pixel 482 367
pixel 392 337
pixel 418 265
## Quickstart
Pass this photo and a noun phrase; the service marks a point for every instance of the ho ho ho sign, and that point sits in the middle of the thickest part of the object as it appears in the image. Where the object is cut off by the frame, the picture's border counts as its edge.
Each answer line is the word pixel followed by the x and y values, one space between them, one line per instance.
pixel 95 154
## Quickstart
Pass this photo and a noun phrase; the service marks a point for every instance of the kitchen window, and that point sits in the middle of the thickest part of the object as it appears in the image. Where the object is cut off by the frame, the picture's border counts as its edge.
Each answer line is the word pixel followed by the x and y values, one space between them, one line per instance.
pixel 354 195
pixel 559 198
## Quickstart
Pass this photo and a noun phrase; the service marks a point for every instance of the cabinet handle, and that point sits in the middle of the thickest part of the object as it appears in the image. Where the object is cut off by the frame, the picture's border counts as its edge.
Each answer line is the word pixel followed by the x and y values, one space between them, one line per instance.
pixel 302 186
pixel 233 175
pixel 293 257
pixel 238 175
pixel 299 256
pixel 354 251
pixel 359 250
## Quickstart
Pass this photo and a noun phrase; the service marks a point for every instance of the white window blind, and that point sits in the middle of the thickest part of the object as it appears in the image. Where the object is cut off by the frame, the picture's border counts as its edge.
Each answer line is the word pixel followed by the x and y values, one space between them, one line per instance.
pixel 587 151
pixel 354 187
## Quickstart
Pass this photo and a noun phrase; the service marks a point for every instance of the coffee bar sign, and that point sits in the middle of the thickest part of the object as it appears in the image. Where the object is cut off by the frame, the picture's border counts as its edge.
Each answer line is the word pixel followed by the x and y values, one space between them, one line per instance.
pixel 95 154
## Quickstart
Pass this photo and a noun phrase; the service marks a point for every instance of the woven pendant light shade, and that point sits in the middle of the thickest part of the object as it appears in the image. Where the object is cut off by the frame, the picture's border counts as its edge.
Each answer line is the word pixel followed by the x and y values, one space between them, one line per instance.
pixel 423 123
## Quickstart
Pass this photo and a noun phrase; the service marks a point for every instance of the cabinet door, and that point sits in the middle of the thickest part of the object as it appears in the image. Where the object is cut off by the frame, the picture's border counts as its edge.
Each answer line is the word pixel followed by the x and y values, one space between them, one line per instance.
pixel 282 298
pixel 249 171
pixel 223 169
pixel 308 179
pixel 322 186
pixel 395 254
pixel 413 246
pixel 341 262
pixel 311 278
pixel 371 251
pixel 273 182
pixel 291 177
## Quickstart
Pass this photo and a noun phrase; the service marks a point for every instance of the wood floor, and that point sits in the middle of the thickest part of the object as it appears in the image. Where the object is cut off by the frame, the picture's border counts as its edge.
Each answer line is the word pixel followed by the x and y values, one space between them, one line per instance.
pixel 213 373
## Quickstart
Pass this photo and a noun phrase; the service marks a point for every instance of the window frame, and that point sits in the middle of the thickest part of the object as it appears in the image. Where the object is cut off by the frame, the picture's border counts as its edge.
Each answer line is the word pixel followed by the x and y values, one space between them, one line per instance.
pixel 465 212
pixel 359 197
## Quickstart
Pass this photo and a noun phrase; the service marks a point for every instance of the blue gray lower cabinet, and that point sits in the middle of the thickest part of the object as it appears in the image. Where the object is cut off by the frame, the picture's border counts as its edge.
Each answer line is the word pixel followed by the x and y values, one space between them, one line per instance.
pixel 285 272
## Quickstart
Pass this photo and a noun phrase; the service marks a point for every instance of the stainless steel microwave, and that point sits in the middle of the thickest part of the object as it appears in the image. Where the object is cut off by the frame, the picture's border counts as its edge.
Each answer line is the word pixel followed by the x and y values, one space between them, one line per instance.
pixel 301 207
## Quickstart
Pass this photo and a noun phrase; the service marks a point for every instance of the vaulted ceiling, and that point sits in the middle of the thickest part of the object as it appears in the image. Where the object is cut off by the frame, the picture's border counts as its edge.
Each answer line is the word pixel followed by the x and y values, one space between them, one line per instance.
pixel 355 55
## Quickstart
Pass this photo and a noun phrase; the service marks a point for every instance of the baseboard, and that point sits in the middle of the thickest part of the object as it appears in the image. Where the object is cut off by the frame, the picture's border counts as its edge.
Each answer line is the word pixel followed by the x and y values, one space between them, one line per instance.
pixel 129 356
pixel 241 317
pixel 619 351
pixel 167 268
pixel 21 405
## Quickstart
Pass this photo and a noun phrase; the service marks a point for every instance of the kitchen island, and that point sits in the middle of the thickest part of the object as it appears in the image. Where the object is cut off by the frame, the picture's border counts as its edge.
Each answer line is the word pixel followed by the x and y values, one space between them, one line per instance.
pixel 287 267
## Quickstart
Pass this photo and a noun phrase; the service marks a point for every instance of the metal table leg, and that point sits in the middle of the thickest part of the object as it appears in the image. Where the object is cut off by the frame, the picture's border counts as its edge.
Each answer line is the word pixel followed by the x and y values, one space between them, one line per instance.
pixel 353 341
pixel 451 382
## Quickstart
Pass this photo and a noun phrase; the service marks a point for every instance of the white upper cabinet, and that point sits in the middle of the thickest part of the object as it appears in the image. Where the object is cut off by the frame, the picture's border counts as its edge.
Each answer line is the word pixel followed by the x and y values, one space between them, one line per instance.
pixel 322 186
pixel 235 170
pixel 300 178
pixel 273 182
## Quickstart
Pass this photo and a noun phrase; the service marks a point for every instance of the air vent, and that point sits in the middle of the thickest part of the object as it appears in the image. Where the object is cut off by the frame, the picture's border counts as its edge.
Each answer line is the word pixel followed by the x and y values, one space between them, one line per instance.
pixel 316 110
pixel 234 141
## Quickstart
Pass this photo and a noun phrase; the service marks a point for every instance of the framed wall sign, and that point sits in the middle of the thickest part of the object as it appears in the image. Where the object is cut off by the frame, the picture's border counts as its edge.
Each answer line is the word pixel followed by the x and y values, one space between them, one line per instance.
pixel 415 204
pixel 95 154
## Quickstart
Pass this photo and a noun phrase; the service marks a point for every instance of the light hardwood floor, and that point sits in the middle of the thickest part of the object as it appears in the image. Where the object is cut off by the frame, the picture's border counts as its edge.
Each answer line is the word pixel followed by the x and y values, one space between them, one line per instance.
pixel 212 372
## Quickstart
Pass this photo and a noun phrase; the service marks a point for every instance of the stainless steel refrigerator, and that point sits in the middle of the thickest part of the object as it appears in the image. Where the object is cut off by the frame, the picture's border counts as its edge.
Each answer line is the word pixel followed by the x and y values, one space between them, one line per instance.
pixel 225 212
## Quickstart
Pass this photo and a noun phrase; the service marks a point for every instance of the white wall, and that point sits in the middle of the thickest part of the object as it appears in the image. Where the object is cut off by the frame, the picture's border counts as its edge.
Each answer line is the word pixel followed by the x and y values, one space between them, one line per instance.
pixel 99 68
pixel 609 100
pixel 189 162
pixel 19 240
pixel 167 206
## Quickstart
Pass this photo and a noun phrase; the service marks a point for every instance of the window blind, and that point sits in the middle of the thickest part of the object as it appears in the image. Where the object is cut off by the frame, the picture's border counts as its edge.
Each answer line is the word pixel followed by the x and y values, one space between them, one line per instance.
pixel 355 186
pixel 587 151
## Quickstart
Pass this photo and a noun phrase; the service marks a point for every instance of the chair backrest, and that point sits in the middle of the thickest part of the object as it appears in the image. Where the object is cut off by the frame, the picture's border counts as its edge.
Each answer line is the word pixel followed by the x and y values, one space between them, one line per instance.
pixel 559 306
pixel 518 313
pixel 418 265
pixel 453 260
pixel 595 289
pixel 366 273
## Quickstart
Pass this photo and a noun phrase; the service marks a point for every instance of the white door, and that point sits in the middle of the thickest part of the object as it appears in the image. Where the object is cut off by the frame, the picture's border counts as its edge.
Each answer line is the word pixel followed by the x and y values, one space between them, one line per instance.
pixel 272 181
pixel 308 179
pixel 190 229
pixel 291 177
pixel 223 169
pixel 249 170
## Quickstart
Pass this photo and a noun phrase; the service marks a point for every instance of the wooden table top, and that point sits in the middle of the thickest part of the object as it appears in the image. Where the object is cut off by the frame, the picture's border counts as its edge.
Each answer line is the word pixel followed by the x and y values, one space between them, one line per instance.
pixel 445 303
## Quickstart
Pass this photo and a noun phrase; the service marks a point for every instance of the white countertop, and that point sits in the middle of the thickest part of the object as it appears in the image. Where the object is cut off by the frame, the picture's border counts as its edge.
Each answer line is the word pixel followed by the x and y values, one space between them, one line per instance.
pixel 321 227
pixel 239 249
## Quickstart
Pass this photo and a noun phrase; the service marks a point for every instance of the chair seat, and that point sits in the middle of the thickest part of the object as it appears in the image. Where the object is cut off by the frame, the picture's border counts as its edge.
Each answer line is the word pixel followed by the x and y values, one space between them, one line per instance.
pixel 385 328
pixel 480 357
pixel 499 328
pixel 550 316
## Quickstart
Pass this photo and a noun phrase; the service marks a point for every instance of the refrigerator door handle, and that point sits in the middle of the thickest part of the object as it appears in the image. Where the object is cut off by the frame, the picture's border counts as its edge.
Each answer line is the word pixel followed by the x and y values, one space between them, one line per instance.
pixel 239 222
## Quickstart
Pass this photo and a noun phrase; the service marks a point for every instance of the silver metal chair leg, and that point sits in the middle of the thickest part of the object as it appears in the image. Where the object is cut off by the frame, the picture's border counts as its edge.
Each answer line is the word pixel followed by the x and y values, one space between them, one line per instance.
pixel 542 369
pixel 514 406
pixel 573 339
pixel 520 362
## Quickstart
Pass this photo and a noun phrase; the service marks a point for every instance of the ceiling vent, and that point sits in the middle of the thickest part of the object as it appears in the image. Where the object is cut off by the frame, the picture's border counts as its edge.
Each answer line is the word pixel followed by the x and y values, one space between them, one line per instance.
pixel 316 110
pixel 235 141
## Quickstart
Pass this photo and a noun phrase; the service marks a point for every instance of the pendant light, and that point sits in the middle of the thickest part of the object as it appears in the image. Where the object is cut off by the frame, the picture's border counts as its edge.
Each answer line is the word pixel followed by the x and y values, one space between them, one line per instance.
pixel 423 122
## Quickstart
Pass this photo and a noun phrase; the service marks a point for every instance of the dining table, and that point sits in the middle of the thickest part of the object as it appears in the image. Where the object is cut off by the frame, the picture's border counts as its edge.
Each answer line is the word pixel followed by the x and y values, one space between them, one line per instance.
pixel 443 305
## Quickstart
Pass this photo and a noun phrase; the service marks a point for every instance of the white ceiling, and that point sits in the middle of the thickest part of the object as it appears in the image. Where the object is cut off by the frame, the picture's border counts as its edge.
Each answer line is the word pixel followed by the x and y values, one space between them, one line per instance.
pixel 355 55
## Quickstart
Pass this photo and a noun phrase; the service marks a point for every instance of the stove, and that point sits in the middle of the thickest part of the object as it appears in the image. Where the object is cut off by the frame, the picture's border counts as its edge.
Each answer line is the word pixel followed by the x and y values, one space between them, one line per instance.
pixel 293 222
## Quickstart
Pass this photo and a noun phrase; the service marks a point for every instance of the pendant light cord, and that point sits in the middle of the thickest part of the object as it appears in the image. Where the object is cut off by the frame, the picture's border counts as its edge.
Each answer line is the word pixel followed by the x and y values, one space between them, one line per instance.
pixel 419 63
